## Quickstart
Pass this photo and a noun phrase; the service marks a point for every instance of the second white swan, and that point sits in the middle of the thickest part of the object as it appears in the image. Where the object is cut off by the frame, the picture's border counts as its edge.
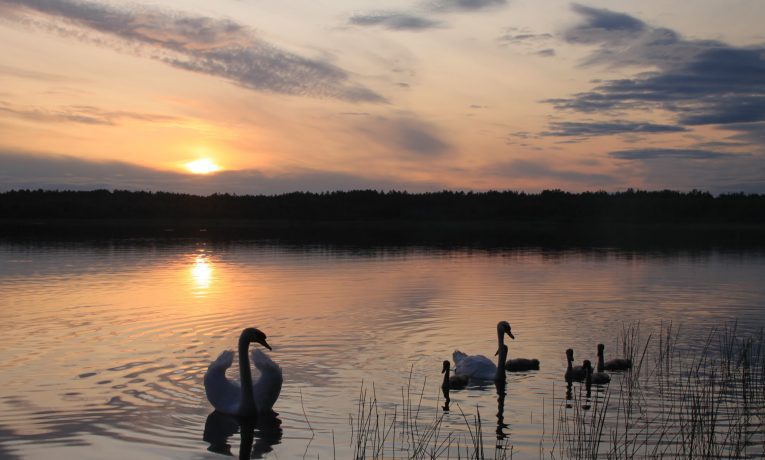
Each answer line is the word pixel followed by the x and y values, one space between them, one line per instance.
pixel 479 367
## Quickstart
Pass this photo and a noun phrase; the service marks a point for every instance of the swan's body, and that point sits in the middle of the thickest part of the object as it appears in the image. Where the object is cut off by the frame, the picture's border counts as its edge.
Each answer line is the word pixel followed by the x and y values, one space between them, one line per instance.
pixel 244 398
pixel 573 373
pixel 479 367
pixel 595 378
pixel 617 364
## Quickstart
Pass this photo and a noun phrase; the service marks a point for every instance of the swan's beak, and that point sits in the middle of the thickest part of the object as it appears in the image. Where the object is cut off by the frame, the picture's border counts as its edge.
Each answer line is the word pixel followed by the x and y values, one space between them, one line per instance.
pixel 265 344
pixel 511 335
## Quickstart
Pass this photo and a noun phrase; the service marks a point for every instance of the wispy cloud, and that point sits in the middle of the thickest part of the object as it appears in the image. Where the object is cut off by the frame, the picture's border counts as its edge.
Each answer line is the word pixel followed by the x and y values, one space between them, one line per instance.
pixel 515 37
pixel 547 52
pixel 535 44
pixel 465 5
pixel 539 169
pixel 395 21
pixel 79 114
pixel 25 170
pixel 213 46
pixel 407 135
pixel 420 18
pixel 688 154
pixel 568 128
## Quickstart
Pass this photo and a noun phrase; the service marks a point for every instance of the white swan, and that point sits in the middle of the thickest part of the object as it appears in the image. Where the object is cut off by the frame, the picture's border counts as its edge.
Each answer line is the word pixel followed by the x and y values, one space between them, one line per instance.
pixel 480 367
pixel 246 398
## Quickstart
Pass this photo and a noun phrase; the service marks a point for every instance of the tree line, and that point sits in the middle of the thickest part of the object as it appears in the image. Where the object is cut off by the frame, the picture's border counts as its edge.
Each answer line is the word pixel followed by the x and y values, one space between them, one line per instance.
pixel 631 206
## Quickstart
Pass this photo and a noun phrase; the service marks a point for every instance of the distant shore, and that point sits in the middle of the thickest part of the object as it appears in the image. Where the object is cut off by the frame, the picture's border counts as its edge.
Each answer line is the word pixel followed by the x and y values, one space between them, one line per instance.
pixel 367 217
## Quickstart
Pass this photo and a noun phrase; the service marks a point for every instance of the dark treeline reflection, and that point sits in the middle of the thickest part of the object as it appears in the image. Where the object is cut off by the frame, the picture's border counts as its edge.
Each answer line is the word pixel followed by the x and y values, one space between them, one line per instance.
pixel 398 217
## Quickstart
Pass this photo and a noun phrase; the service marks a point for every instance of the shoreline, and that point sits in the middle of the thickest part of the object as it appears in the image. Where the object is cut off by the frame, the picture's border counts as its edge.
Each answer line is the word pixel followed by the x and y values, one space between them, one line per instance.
pixel 398 232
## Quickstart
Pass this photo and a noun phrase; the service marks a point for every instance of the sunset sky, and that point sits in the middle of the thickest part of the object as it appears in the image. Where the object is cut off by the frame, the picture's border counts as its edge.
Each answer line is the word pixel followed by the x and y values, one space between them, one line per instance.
pixel 267 96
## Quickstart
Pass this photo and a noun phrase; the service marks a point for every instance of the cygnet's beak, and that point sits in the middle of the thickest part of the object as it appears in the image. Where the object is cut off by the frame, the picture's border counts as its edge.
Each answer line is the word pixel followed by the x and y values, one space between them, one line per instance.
pixel 495 354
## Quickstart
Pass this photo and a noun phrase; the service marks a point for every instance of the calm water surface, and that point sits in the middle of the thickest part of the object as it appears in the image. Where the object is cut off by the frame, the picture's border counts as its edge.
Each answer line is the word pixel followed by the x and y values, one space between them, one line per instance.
pixel 103 347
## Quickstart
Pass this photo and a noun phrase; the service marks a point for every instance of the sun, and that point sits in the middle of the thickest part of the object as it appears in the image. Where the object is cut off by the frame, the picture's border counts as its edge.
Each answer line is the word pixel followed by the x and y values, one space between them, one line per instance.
pixel 202 166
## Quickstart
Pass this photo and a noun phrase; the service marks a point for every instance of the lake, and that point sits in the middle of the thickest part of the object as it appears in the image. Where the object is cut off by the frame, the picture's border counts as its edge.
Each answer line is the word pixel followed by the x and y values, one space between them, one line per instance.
pixel 104 345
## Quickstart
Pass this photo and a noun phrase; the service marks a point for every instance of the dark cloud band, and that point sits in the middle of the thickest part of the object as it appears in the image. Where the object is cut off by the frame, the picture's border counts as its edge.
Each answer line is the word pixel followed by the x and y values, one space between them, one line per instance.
pixel 218 47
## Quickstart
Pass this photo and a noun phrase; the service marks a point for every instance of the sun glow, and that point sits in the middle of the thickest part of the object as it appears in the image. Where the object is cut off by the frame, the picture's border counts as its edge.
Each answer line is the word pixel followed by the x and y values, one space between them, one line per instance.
pixel 202 166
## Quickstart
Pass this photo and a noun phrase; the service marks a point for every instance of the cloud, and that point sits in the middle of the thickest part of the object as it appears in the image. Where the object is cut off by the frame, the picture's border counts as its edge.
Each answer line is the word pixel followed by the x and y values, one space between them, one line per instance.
pixel 685 169
pixel 752 133
pixel 602 25
pixel 567 128
pixel 537 169
pixel 25 170
pixel 651 154
pixel 79 114
pixel 407 135
pixel 32 74
pixel 547 52
pixel 465 5
pixel 512 37
pixel 218 47
pixel 533 43
pixel 702 82
pixel 408 21
pixel 395 21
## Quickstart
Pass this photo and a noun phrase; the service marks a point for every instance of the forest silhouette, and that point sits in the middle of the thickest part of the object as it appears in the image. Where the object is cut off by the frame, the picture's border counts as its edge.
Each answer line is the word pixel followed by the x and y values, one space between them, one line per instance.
pixel 549 216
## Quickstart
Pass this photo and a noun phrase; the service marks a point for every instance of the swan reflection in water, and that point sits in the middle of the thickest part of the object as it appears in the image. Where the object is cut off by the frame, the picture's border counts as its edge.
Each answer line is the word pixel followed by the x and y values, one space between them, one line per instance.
pixel 258 434
pixel 501 387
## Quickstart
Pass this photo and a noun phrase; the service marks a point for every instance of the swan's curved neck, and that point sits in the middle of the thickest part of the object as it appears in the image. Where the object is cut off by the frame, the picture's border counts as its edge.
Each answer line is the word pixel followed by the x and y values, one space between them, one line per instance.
pixel 447 373
pixel 501 360
pixel 601 364
pixel 569 359
pixel 500 337
pixel 245 376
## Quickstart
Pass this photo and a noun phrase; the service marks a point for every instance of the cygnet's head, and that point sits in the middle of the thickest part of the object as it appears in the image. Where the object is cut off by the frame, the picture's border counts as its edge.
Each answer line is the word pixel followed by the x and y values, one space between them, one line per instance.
pixel 587 365
pixel 502 349
pixel 255 335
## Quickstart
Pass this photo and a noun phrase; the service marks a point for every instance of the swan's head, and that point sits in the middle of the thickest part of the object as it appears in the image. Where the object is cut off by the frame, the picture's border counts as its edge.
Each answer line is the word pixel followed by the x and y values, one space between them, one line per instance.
pixel 252 334
pixel 601 347
pixel 503 327
pixel 570 354
pixel 445 368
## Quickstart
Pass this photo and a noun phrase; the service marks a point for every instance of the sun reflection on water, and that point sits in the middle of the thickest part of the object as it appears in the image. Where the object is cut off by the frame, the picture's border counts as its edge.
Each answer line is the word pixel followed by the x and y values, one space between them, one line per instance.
pixel 201 274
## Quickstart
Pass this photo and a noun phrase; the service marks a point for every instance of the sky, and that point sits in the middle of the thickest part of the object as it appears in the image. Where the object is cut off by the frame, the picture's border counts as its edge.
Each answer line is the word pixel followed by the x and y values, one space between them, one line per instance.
pixel 268 96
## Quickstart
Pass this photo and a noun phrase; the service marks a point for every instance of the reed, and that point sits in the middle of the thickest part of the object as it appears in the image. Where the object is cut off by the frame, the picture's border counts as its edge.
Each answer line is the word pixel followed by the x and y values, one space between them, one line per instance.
pixel 710 404
pixel 409 430
pixel 671 404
